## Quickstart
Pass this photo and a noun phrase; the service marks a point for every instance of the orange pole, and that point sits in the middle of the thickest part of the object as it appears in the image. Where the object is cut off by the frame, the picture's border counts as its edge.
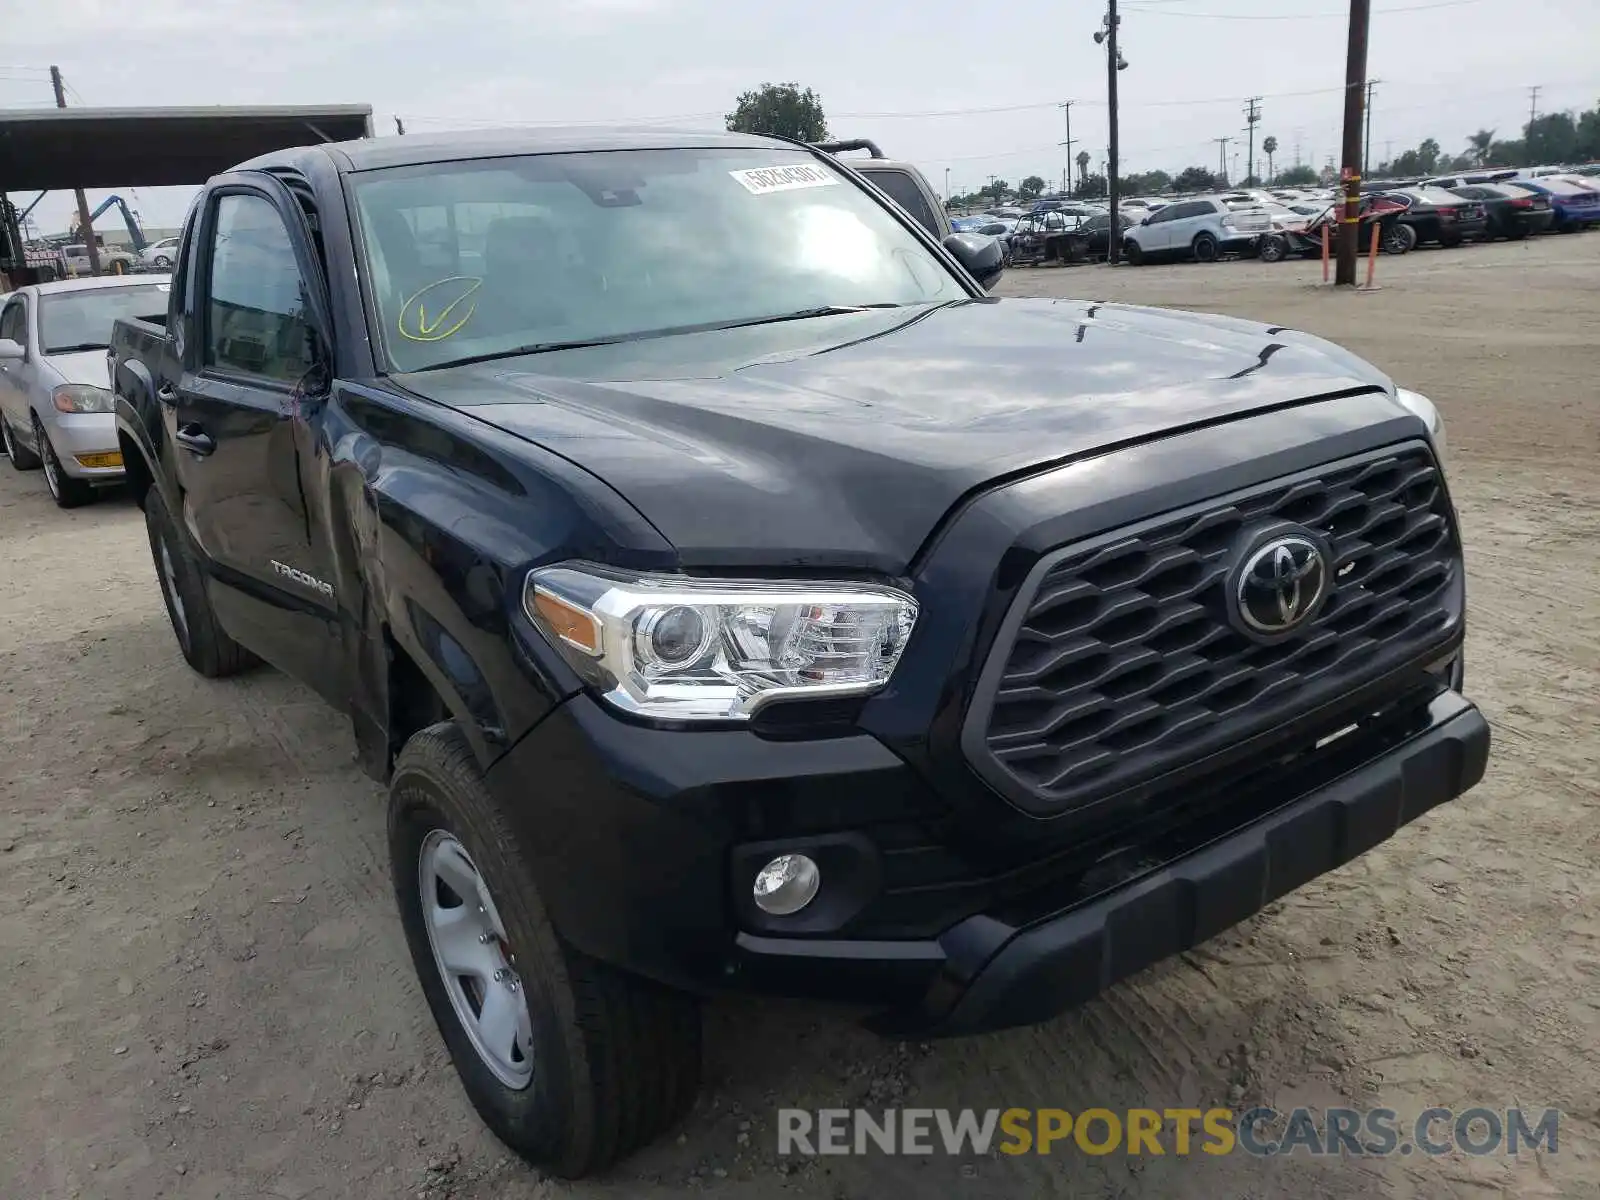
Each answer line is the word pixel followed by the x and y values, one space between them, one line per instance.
pixel 1372 255
pixel 1324 254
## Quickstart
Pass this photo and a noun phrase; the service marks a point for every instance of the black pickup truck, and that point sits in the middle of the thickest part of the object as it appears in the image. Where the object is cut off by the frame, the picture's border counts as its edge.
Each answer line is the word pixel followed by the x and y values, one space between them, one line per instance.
pixel 734 595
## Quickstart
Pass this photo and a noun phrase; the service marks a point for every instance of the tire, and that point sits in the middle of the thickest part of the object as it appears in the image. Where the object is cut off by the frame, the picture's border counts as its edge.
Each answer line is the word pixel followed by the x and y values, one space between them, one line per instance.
pixel 1397 239
pixel 66 491
pixel 22 459
pixel 1205 248
pixel 161 262
pixel 1273 249
pixel 206 648
pixel 612 1061
pixel 1132 252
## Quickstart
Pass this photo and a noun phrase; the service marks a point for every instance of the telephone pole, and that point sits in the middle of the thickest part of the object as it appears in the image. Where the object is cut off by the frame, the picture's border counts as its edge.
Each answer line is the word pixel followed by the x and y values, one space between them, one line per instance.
pixel 1222 156
pixel 1366 149
pixel 1114 64
pixel 1252 117
pixel 84 227
pixel 1355 83
pixel 1066 107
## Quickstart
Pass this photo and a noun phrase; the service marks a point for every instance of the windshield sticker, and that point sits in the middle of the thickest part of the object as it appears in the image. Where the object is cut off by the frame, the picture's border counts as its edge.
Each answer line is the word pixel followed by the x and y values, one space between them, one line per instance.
pixel 758 181
pixel 453 305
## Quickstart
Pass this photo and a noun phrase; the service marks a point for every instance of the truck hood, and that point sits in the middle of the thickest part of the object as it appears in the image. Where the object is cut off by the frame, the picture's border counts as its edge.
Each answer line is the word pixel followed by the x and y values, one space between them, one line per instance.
pixel 841 441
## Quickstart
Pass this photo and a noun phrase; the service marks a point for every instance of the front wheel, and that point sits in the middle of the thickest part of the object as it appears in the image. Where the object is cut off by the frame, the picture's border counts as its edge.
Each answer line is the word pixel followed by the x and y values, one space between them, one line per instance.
pixel 571 1063
pixel 1397 239
pixel 206 648
pixel 1205 248
pixel 66 491
pixel 1132 252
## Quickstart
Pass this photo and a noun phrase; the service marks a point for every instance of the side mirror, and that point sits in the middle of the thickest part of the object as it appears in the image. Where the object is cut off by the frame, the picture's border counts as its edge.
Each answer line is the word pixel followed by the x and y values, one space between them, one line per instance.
pixel 11 351
pixel 981 256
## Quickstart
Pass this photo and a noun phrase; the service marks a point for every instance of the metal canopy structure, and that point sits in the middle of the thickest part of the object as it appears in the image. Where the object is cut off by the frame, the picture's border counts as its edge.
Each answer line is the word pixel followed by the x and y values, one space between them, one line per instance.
pixel 51 148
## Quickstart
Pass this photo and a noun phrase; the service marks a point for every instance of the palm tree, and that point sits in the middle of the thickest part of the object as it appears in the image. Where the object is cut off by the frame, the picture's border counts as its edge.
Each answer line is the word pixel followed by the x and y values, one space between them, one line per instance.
pixel 1269 147
pixel 1479 144
pixel 1083 161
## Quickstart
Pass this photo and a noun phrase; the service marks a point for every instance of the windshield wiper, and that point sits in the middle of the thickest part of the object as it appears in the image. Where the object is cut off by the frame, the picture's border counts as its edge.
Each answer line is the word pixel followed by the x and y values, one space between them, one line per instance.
pixel 76 348
pixel 824 310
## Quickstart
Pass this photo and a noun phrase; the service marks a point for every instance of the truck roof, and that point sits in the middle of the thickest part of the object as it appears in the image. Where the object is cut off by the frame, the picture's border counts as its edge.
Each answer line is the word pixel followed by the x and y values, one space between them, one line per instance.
pixel 367 154
pixel 91 283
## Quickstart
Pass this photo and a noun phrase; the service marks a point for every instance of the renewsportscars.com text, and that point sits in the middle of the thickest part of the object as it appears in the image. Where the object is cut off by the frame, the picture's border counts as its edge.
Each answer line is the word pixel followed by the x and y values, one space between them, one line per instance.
pixel 1262 1132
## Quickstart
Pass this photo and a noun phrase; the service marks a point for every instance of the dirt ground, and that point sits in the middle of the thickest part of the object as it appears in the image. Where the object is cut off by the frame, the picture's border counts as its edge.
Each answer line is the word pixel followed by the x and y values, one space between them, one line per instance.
pixel 206 992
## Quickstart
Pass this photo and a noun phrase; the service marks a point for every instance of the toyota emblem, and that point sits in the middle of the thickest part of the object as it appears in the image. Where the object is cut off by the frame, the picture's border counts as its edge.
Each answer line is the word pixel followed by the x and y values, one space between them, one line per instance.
pixel 1281 584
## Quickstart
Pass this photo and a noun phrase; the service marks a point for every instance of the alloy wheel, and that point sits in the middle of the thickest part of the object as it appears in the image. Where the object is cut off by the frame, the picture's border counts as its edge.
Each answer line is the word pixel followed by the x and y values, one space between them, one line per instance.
pixel 474 959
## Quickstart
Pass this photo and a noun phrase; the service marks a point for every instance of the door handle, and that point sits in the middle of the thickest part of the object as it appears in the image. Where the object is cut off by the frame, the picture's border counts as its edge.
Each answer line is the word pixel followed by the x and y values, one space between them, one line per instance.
pixel 195 439
pixel 167 394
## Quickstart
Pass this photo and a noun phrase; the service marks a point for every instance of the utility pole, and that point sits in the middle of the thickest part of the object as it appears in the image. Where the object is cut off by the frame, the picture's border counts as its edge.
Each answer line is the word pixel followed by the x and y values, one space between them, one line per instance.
pixel 1222 156
pixel 1366 149
pixel 1066 107
pixel 1355 82
pixel 84 227
pixel 399 127
pixel 1114 64
pixel 947 187
pixel 1533 104
pixel 1252 117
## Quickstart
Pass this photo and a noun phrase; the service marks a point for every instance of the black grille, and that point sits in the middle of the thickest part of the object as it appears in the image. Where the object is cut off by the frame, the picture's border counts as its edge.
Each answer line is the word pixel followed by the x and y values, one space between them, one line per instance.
pixel 1127 665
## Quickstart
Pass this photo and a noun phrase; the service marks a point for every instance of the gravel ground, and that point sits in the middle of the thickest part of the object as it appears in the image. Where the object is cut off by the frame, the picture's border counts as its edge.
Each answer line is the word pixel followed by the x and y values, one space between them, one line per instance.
pixel 207 993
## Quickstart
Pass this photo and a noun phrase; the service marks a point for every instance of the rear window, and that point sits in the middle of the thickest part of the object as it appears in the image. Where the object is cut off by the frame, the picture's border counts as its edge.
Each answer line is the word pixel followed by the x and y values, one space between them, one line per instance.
pixel 903 190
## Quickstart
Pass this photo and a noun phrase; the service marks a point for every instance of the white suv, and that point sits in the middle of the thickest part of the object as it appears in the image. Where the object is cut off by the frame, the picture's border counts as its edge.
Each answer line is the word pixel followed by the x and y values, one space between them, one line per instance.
pixel 1203 229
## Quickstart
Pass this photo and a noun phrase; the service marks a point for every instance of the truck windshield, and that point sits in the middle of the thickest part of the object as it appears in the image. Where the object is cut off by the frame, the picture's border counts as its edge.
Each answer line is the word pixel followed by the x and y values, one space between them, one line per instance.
pixel 81 319
pixel 495 257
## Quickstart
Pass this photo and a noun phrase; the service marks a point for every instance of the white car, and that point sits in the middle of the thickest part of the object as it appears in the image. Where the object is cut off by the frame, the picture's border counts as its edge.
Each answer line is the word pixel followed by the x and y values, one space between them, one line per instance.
pixel 55 395
pixel 1203 229
pixel 159 256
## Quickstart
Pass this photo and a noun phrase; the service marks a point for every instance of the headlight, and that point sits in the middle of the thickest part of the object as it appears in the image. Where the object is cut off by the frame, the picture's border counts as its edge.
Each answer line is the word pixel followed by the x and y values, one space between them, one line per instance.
pixel 82 398
pixel 687 649
pixel 1429 412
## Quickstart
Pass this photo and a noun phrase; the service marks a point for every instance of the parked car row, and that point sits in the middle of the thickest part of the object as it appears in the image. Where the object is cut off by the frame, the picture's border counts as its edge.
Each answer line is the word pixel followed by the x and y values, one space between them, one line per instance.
pixel 1286 222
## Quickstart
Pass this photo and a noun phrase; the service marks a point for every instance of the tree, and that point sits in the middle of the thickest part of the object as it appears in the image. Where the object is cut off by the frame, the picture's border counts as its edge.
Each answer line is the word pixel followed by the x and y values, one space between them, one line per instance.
pixel 1195 179
pixel 781 110
pixel 1146 184
pixel 1589 134
pixel 1552 138
pixel 1478 146
pixel 996 191
pixel 1083 163
pixel 1269 147
pixel 1299 177
pixel 1090 187
pixel 1030 187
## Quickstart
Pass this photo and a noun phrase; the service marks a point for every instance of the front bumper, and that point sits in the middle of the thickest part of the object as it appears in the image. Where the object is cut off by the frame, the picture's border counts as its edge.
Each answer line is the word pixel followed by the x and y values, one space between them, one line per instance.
pixel 78 436
pixel 643 840
pixel 1038 971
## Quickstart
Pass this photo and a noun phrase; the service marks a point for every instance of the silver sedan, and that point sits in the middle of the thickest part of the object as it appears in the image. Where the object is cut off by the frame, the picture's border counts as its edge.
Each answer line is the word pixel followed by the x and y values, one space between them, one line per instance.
pixel 55 397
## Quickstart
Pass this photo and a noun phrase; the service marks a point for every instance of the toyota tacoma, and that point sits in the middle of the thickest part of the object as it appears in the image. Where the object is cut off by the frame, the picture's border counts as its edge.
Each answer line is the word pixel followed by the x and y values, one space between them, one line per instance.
pixel 735 595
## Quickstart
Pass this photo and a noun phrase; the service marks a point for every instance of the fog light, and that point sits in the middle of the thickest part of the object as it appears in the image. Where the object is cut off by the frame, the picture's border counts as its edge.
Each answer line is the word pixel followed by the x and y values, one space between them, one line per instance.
pixel 787 884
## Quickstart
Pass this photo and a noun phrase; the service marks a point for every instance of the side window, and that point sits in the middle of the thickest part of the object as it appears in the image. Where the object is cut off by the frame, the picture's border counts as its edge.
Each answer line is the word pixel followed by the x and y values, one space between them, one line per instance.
pixel 14 322
pixel 256 300
pixel 903 190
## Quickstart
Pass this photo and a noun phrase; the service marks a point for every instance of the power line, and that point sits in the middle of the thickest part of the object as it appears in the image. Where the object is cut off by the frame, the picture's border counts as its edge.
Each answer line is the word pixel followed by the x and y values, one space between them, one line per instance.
pixel 1213 16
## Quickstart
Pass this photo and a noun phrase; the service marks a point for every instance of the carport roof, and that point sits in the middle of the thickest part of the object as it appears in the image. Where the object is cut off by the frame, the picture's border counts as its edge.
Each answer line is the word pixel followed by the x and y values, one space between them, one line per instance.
pixel 50 148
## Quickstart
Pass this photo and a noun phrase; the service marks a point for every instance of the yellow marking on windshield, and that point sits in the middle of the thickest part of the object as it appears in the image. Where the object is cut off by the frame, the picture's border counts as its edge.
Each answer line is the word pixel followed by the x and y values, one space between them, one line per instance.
pixel 414 322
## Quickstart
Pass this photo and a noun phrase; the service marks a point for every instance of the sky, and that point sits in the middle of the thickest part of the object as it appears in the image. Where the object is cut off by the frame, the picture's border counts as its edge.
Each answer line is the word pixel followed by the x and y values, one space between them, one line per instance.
pixel 953 85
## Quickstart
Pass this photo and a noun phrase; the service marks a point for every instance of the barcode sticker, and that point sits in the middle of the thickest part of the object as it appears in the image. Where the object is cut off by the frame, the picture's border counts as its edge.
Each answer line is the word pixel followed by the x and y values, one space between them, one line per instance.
pixel 758 181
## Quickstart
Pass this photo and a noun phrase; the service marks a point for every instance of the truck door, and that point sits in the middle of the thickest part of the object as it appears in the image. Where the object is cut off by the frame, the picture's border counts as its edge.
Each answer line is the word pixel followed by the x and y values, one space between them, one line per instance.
pixel 253 346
